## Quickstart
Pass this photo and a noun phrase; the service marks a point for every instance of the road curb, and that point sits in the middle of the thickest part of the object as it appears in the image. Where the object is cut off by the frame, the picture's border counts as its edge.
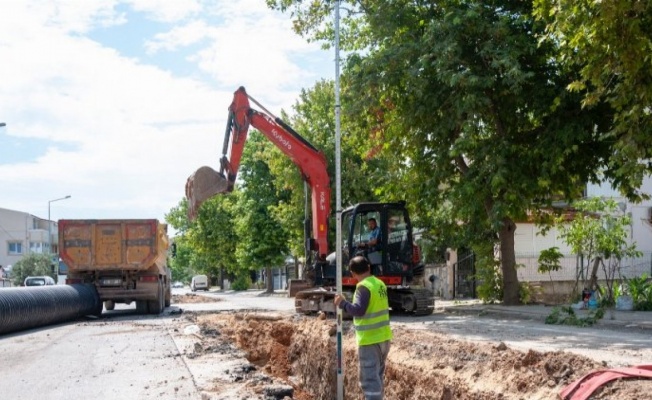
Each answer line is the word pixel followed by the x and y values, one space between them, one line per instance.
pixel 612 318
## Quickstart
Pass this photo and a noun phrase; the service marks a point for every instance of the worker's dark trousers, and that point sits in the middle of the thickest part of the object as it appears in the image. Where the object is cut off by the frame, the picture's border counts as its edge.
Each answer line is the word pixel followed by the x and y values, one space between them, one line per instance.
pixel 372 369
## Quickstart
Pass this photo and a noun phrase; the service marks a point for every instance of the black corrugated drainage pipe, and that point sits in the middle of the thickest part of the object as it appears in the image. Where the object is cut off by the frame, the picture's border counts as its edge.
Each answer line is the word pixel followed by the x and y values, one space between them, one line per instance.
pixel 30 307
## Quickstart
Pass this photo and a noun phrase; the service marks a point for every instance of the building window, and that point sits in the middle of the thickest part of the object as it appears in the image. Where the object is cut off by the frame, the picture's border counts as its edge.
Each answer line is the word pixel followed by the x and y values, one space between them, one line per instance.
pixel 37 247
pixel 15 248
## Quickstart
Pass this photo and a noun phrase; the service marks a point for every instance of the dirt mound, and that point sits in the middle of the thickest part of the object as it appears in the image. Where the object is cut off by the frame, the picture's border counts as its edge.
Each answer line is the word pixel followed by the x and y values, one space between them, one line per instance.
pixel 192 298
pixel 421 365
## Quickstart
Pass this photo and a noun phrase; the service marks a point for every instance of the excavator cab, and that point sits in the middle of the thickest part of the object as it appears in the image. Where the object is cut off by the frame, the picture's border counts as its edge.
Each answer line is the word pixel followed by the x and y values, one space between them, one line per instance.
pixel 393 258
pixel 395 261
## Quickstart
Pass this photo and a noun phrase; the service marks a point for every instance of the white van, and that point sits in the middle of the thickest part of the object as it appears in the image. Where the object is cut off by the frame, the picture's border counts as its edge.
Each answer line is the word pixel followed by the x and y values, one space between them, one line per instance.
pixel 199 282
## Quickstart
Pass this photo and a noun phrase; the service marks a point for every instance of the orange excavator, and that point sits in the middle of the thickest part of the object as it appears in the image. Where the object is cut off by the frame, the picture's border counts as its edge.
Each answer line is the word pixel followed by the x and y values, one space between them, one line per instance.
pixel 395 259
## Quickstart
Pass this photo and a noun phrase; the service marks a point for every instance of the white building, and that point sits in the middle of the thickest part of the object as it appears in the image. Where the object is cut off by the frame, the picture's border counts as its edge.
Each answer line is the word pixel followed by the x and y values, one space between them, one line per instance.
pixel 455 278
pixel 528 243
pixel 22 233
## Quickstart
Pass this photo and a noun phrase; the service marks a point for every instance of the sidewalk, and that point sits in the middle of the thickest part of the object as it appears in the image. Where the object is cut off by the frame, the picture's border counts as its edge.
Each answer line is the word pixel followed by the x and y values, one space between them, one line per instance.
pixel 612 317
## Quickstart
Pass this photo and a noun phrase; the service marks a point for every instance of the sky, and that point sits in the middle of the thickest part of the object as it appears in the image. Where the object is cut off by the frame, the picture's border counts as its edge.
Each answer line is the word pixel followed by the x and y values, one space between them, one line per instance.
pixel 115 103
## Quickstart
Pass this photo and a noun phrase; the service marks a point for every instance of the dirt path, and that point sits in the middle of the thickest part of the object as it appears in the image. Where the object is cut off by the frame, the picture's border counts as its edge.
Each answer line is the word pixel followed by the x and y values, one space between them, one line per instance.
pixel 283 356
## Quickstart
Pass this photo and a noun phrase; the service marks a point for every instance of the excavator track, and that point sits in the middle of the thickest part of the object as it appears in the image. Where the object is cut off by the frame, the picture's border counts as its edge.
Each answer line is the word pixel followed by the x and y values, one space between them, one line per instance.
pixel 315 300
pixel 425 301
pixel 412 301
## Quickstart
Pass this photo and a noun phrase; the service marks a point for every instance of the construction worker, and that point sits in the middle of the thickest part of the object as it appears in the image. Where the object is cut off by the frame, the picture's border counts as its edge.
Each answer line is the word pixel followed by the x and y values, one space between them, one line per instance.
pixel 370 311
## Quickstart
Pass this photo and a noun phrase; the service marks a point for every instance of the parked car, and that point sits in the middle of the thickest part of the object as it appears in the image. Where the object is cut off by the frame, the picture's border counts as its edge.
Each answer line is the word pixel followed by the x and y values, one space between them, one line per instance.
pixel 199 282
pixel 39 281
pixel 177 285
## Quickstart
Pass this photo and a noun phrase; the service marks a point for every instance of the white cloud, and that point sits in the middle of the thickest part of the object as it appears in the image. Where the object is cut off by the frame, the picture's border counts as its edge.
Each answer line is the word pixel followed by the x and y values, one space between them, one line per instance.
pixel 136 131
pixel 177 37
pixel 167 10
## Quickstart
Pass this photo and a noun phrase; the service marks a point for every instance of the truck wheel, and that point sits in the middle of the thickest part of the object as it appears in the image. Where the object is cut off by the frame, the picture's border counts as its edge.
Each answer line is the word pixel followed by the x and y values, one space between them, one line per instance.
pixel 156 306
pixel 109 305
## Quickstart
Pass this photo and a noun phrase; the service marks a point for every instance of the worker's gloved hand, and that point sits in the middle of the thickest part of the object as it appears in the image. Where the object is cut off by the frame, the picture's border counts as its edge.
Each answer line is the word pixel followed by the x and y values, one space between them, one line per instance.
pixel 338 299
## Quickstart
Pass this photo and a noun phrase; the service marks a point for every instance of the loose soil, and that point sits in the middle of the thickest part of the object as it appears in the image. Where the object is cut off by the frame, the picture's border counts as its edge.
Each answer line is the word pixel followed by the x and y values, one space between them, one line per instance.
pixel 192 298
pixel 293 357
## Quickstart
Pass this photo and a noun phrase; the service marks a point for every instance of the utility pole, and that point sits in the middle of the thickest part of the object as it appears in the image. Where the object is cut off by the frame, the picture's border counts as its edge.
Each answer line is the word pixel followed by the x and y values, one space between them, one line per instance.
pixel 50 224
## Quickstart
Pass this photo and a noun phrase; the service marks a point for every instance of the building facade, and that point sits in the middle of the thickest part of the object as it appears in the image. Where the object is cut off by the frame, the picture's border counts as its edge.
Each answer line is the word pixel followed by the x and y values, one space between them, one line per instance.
pixel 529 242
pixel 21 234
pixel 450 279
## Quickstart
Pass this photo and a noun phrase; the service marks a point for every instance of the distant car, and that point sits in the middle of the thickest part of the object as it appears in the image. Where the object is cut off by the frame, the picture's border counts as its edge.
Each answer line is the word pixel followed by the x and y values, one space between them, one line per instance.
pixel 177 285
pixel 199 282
pixel 39 281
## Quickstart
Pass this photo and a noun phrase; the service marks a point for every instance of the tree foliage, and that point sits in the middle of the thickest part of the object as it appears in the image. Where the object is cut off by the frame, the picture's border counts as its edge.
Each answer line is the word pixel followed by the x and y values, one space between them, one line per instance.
pixel 598 233
pixel 206 244
pixel 314 120
pixel 611 43
pixel 31 265
pixel 471 115
pixel 262 238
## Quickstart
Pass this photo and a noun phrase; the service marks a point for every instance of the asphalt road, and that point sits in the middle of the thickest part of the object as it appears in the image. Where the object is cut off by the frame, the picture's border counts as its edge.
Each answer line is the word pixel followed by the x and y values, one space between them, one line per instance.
pixel 127 356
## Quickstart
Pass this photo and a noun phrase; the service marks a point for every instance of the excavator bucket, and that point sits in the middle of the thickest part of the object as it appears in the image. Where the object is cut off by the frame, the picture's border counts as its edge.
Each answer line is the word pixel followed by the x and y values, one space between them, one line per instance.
pixel 201 186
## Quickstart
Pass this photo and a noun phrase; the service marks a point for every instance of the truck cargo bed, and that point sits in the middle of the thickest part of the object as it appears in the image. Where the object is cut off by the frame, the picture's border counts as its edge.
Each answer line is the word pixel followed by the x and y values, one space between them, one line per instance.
pixel 97 245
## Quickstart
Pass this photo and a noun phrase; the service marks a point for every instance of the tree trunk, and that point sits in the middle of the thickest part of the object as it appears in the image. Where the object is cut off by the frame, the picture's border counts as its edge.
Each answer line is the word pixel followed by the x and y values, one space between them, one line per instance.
pixel 508 262
pixel 296 268
pixel 593 282
pixel 269 275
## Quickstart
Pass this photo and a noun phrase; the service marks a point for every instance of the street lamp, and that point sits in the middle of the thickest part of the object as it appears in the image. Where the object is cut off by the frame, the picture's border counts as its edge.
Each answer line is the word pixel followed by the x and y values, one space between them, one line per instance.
pixel 50 223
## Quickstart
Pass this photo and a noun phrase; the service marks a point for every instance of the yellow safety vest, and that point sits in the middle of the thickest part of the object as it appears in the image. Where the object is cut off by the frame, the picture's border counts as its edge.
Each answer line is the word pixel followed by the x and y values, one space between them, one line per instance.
pixel 373 326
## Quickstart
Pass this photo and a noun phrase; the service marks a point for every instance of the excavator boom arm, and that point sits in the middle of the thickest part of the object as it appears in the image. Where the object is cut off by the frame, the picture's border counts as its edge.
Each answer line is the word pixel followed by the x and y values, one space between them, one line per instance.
pixel 206 182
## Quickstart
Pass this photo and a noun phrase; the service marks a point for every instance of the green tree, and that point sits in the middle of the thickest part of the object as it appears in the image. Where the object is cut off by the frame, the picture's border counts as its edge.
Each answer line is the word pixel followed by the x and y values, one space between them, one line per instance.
pixel 214 235
pixel 599 235
pixel 468 110
pixel 262 238
pixel 207 244
pixel 181 263
pixel 549 263
pixel 314 120
pixel 610 41
pixel 31 265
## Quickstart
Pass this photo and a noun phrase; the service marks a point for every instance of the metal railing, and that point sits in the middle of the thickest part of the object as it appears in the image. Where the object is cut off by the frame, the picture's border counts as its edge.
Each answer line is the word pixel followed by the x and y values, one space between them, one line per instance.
pixel 574 266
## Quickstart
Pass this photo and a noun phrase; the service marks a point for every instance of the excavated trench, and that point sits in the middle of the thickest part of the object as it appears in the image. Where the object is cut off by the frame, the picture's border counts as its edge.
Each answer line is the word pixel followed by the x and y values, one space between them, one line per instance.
pixel 299 352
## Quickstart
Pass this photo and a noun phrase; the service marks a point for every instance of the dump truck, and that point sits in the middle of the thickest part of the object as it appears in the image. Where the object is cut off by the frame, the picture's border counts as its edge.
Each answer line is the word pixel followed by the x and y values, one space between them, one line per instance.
pixel 125 259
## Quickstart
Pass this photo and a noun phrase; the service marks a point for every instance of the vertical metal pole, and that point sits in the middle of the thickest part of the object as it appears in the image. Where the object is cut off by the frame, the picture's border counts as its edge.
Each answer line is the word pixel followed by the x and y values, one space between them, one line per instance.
pixel 338 205
pixel 50 225
pixel 49 233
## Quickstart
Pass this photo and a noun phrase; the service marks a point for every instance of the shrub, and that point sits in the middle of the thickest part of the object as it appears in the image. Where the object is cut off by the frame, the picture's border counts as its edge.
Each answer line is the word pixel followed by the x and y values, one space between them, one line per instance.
pixel 31 265
pixel 241 282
